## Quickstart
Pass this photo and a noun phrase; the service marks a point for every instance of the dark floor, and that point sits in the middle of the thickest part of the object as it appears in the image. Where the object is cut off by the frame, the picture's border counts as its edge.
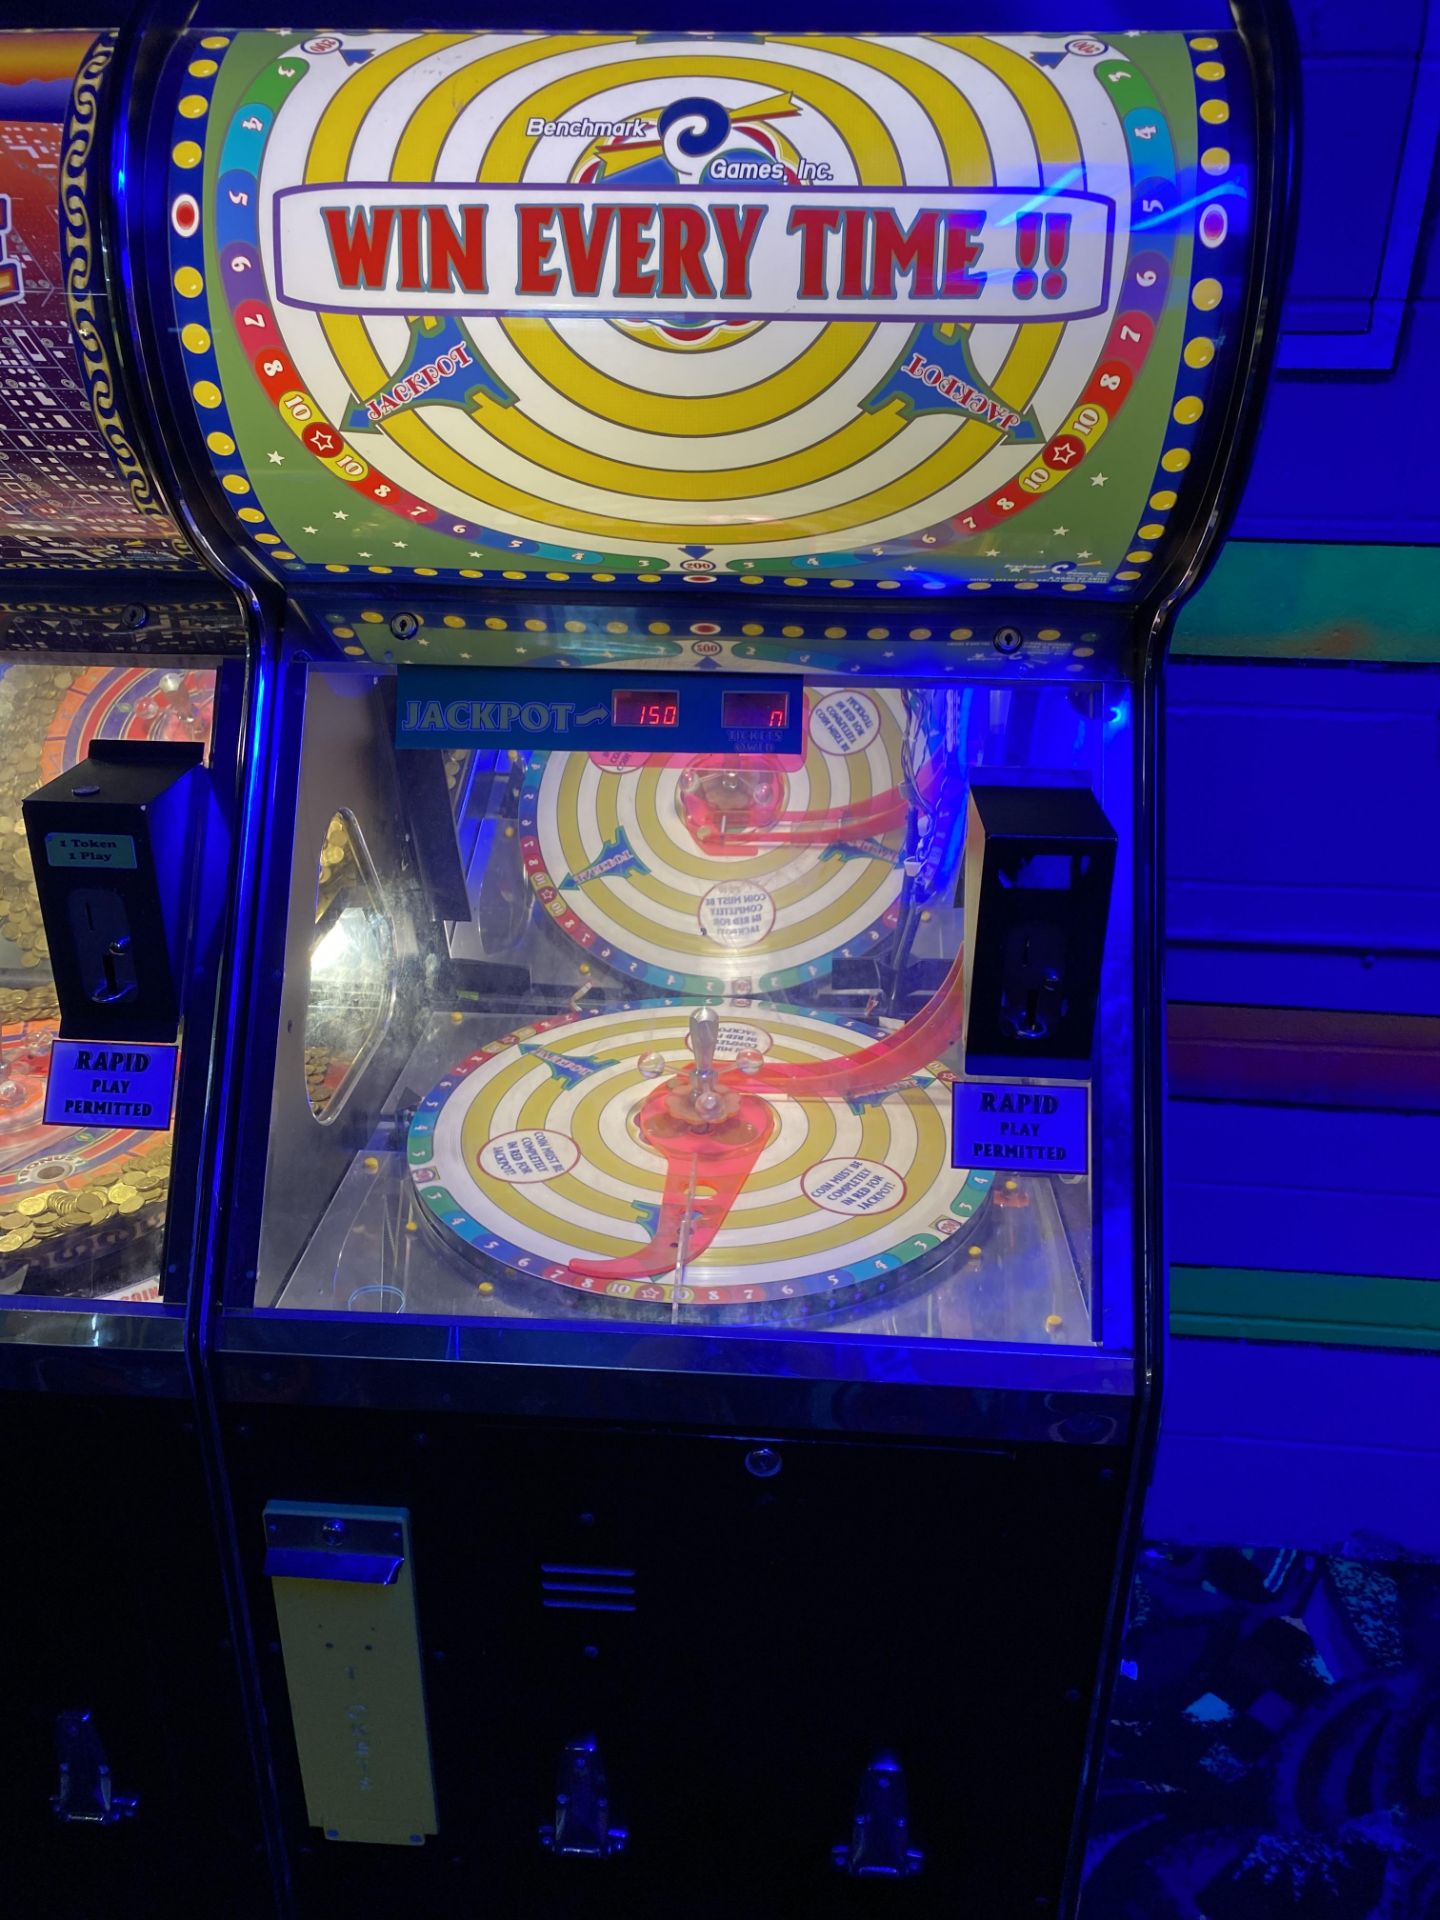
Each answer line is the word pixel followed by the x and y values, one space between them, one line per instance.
pixel 1275 1743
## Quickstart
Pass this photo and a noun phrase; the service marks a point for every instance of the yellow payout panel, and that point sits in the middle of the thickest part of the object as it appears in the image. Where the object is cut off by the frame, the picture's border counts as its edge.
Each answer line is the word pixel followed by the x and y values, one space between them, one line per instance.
pixel 345 1599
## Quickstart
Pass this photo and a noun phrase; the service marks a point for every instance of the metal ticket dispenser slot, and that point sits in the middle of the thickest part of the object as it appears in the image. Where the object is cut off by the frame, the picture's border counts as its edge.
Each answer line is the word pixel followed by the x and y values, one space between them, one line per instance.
pixel 345 1600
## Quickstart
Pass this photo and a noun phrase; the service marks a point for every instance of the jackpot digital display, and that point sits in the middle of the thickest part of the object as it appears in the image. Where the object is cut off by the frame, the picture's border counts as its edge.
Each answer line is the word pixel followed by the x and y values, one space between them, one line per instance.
pixel 834 313
pixel 636 707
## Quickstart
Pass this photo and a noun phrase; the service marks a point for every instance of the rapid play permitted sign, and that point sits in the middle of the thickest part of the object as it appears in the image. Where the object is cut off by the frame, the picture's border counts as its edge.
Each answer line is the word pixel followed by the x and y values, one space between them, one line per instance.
pixel 1020 1129
pixel 100 1085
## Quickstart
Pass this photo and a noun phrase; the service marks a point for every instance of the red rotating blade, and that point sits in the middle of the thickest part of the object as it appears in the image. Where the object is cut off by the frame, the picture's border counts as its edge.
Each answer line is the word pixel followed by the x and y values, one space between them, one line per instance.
pixel 818 828
pixel 824 826
pixel 705 1173
pixel 910 1049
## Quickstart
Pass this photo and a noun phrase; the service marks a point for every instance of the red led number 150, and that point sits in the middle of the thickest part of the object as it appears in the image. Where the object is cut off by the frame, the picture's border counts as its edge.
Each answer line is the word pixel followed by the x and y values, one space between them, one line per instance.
pixel 644 707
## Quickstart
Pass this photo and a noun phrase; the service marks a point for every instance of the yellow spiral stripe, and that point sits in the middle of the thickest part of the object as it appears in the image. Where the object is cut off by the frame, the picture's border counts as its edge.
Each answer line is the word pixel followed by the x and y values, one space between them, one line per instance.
pixel 956 123
pixel 1056 139
pixel 557 363
pixel 850 443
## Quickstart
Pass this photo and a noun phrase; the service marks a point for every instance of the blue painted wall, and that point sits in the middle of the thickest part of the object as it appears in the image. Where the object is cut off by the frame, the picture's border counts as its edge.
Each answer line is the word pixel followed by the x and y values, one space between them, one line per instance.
pixel 1303 806
pixel 1301 876
pixel 1339 456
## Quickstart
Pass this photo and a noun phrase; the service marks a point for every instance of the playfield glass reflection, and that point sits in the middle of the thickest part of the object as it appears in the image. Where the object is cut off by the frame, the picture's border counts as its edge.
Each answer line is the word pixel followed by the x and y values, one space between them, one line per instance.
pixel 673 1037
pixel 82 1209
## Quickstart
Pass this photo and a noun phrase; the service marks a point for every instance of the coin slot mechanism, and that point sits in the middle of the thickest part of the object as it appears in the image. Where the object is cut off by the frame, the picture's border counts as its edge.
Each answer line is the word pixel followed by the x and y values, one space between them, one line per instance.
pixel 112 844
pixel 104 950
pixel 1037 875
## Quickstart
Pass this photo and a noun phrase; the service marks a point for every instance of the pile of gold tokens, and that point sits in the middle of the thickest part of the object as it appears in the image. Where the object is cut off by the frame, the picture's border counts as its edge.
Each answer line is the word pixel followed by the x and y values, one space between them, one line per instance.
pixel 338 865
pixel 44 1214
pixel 339 869
pixel 318 1062
pixel 29 696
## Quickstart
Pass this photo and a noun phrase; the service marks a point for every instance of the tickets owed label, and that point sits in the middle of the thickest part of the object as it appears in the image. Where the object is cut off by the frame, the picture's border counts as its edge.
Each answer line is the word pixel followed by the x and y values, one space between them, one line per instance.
pixel 92 1084
pixel 89 850
pixel 1018 1129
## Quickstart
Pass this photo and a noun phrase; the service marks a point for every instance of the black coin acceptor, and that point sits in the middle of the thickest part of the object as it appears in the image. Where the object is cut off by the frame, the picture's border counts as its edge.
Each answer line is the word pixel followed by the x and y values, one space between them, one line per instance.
pixel 110 842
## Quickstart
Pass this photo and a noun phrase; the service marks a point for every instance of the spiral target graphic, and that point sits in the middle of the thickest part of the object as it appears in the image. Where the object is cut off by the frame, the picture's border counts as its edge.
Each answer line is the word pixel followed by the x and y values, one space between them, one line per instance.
pixel 681 444
pixel 527 1156
pixel 610 856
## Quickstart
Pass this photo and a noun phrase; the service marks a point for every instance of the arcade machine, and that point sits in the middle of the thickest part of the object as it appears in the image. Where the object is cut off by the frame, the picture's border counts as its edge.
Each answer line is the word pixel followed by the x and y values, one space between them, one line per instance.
pixel 688 1337
pixel 121 675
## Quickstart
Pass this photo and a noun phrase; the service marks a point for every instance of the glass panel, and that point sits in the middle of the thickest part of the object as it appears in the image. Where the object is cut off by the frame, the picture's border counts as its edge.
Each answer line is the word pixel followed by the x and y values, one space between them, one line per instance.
pixel 688 1053
pixel 82 1209
pixel 350 969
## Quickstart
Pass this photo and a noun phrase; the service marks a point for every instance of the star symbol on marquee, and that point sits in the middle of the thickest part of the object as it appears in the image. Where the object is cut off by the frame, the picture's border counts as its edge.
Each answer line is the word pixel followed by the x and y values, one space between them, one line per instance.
pixel 1084 554
pixel 1063 456
pixel 362 556
pixel 322 441
pixel 277 459
pixel 991 552
pixel 907 569
pixel 340 514
pixel 397 543
pixel 474 553
pixel 1098 479
pixel 1060 529
pixel 309 529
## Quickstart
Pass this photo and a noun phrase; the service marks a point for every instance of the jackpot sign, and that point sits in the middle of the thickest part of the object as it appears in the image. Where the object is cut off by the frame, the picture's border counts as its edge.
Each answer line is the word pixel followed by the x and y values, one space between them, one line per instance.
pixel 918 311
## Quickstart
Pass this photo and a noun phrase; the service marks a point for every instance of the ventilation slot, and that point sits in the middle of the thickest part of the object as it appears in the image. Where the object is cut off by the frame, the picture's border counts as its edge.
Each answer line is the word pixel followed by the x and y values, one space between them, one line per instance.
pixel 587 1589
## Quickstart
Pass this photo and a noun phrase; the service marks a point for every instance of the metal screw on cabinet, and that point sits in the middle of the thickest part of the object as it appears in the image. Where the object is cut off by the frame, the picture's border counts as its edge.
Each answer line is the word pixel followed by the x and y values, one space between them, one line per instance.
pixel 1008 640
pixel 763 1462
pixel 405 626
pixel 136 617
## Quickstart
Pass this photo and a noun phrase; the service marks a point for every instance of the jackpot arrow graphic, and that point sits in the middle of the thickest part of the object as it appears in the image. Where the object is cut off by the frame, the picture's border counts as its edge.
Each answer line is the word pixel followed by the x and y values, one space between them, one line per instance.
pixel 833 312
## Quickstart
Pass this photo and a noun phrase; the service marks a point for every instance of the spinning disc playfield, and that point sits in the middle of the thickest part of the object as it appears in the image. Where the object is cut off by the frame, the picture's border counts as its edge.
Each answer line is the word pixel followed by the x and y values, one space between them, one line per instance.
pixel 730 878
pixel 569 1151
